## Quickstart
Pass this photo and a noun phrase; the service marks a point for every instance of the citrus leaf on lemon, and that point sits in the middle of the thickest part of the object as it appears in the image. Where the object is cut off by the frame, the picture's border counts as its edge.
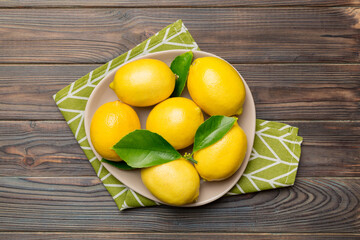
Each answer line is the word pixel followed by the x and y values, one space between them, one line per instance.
pixel 142 148
pixel 180 66
pixel 212 130
pixel 121 165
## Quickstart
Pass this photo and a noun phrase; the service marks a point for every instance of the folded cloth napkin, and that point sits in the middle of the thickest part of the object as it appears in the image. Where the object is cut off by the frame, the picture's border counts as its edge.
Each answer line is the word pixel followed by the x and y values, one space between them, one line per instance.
pixel 275 154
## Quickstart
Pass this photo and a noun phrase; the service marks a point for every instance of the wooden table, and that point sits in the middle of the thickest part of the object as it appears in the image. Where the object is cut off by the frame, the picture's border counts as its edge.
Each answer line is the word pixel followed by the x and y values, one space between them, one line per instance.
pixel 300 58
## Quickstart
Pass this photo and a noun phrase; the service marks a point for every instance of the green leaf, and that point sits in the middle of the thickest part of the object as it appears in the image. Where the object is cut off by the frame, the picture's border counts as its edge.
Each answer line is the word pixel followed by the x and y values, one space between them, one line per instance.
pixel 142 148
pixel 121 164
pixel 180 66
pixel 212 130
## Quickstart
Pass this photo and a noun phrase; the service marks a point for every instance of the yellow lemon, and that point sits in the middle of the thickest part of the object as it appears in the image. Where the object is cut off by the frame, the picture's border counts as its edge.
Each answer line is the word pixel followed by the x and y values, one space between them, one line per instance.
pixel 111 122
pixel 175 182
pixel 176 120
pixel 216 87
pixel 222 159
pixel 143 82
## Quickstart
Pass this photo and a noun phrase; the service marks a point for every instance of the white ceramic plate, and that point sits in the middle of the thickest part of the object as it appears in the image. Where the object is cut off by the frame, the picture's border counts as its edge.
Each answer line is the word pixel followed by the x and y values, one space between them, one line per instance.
pixel 209 191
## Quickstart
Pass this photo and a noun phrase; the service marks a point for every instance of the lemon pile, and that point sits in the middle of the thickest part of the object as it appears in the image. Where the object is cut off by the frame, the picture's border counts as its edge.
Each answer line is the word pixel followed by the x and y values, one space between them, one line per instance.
pixel 215 88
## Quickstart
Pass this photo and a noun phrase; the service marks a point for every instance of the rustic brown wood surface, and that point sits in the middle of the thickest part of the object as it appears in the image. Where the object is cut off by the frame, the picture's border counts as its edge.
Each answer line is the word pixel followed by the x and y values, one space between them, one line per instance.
pixel 48 148
pixel 176 3
pixel 319 91
pixel 253 35
pixel 177 236
pixel 83 204
pixel 300 58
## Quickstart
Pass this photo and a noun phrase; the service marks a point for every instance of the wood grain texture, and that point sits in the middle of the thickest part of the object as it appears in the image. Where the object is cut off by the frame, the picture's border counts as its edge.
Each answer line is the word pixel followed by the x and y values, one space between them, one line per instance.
pixel 41 149
pixel 175 236
pixel 26 90
pixel 47 149
pixel 281 92
pixel 69 204
pixel 250 35
pixel 175 3
pixel 306 92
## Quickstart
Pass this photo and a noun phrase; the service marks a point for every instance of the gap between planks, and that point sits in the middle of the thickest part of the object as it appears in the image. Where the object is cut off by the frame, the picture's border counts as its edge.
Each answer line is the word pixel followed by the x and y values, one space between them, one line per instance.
pixel 94 176
pixel 277 120
pixel 237 63
pixel 190 233
pixel 177 7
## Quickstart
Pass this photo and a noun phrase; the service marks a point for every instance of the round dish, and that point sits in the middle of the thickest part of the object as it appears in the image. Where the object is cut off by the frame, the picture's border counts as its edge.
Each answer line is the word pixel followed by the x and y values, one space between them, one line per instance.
pixel 209 191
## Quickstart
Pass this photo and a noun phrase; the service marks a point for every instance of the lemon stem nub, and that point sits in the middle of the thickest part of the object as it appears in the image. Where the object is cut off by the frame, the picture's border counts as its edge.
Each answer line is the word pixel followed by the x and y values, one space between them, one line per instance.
pixel 239 112
pixel 188 156
pixel 111 85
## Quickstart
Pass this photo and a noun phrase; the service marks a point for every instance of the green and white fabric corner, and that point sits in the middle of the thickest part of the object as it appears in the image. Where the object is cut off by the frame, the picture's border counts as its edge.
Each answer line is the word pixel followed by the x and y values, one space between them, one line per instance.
pixel 276 152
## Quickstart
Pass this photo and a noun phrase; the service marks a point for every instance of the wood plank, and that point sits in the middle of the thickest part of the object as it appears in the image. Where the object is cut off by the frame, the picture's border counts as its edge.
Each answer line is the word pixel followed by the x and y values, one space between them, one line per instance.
pixel 281 92
pixel 175 236
pixel 241 35
pixel 306 92
pixel 175 3
pixel 67 204
pixel 41 149
pixel 26 90
pixel 46 149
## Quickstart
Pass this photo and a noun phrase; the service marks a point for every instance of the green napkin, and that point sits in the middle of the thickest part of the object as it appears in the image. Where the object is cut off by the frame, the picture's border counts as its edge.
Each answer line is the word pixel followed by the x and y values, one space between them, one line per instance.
pixel 274 158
